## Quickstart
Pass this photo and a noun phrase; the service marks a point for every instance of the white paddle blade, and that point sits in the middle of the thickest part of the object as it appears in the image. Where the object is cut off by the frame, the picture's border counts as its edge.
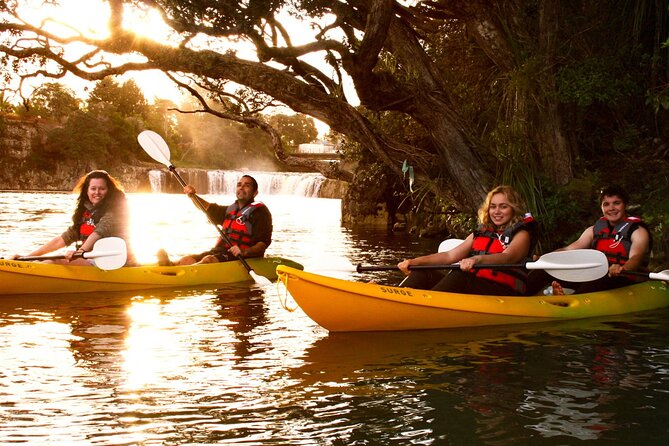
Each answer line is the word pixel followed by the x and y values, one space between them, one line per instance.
pixel 662 275
pixel 449 244
pixel 108 253
pixel 578 265
pixel 260 280
pixel 155 146
pixel 330 265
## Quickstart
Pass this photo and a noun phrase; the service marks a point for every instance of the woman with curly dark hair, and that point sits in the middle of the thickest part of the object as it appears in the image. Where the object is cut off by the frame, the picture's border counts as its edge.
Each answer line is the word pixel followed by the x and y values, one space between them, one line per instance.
pixel 102 211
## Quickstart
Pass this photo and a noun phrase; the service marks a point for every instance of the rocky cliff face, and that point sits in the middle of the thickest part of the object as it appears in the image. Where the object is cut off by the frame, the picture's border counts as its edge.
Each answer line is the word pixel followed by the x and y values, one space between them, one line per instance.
pixel 65 176
pixel 17 137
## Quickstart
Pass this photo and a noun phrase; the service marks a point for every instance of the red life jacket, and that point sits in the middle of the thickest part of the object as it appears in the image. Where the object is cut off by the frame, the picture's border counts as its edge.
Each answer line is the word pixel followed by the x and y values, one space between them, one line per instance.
pixel 615 242
pixel 88 222
pixel 489 241
pixel 237 225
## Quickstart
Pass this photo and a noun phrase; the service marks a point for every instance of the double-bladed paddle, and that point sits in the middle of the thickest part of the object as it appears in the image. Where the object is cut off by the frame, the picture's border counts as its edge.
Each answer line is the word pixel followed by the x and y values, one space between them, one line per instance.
pixel 108 253
pixel 156 147
pixel 578 265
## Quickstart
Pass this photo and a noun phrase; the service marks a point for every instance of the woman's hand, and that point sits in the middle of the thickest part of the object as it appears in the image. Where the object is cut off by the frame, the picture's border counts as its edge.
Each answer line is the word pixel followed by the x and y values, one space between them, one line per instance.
pixel 468 263
pixel 72 255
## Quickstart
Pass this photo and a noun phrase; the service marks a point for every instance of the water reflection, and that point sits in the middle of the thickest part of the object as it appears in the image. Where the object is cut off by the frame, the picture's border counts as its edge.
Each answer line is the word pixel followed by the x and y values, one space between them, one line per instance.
pixel 233 366
pixel 479 379
pixel 246 311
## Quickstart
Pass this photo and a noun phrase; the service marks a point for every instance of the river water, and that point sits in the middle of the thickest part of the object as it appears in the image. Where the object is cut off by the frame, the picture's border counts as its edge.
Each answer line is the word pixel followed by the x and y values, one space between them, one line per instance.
pixel 234 366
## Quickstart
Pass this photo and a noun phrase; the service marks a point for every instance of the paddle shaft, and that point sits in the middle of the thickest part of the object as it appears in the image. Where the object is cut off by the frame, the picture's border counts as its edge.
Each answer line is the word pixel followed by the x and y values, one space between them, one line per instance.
pixel 196 200
pixel 362 268
pixel 52 257
pixel 662 275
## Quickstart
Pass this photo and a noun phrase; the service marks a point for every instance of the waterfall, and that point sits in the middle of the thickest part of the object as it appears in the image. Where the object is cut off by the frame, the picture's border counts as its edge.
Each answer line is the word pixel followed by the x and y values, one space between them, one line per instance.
pixel 156 178
pixel 224 182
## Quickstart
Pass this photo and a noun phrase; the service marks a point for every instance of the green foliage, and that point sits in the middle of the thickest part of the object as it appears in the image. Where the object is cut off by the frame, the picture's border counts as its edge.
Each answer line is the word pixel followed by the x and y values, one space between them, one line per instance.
pixel 81 138
pixel 350 150
pixel 595 80
pixel 657 220
pixel 566 212
pixel 658 99
pixel 127 98
pixel 294 129
pixel 436 216
pixel 5 105
pixel 369 188
pixel 53 100
pixel 105 131
pixel 627 138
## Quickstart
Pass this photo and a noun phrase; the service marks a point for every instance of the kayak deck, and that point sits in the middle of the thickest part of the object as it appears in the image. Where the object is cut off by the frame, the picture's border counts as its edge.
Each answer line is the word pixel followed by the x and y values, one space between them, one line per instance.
pixel 18 277
pixel 341 305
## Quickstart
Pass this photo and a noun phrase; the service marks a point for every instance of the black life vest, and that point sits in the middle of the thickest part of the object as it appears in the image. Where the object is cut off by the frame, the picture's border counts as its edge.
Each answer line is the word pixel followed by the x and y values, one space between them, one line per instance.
pixel 490 241
pixel 237 225
pixel 615 242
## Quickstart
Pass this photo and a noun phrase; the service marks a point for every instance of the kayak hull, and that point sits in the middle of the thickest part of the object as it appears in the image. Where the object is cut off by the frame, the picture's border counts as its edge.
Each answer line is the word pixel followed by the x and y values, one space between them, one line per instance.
pixel 340 305
pixel 18 277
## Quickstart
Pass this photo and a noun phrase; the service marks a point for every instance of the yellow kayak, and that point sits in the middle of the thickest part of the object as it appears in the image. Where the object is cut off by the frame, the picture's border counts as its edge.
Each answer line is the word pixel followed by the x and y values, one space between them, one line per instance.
pixel 341 305
pixel 18 277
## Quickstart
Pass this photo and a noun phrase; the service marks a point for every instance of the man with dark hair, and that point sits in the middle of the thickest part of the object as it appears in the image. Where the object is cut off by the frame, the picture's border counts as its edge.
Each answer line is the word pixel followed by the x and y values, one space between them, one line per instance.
pixel 247 223
pixel 625 240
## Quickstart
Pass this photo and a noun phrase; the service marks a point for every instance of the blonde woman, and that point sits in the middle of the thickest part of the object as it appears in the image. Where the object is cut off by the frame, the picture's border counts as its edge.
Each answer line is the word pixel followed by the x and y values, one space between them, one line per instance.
pixel 506 235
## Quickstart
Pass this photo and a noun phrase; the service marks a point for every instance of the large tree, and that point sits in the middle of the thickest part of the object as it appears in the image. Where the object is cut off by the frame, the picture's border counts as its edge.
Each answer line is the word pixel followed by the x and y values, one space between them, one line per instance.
pixel 423 61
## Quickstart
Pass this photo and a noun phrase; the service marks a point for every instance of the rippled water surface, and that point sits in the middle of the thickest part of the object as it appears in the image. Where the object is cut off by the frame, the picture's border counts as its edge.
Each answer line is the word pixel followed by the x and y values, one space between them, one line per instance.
pixel 233 366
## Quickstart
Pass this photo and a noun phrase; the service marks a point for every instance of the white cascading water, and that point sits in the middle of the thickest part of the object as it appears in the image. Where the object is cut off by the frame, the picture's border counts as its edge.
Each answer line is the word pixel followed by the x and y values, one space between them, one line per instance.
pixel 156 180
pixel 224 182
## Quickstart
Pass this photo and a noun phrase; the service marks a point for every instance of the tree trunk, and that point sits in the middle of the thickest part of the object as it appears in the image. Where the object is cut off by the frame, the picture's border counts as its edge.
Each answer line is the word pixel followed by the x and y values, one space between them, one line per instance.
pixel 552 145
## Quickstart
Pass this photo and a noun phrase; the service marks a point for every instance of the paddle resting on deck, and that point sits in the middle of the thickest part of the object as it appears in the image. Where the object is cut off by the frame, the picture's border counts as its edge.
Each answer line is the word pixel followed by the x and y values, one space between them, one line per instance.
pixel 108 254
pixel 578 265
pixel 156 147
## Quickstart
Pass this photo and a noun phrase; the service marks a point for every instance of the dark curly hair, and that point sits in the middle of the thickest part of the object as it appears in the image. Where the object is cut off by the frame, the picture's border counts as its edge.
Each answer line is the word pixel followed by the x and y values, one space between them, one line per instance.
pixel 115 195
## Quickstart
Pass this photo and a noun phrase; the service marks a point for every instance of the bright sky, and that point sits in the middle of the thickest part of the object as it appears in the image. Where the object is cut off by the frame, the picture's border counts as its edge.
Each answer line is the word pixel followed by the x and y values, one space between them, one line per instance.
pixel 90 16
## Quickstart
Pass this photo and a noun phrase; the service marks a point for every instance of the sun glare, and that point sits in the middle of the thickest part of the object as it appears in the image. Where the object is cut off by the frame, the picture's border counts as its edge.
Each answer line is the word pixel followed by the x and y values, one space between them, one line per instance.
pixel 90 18
pixel 147 24
pixel 69 17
